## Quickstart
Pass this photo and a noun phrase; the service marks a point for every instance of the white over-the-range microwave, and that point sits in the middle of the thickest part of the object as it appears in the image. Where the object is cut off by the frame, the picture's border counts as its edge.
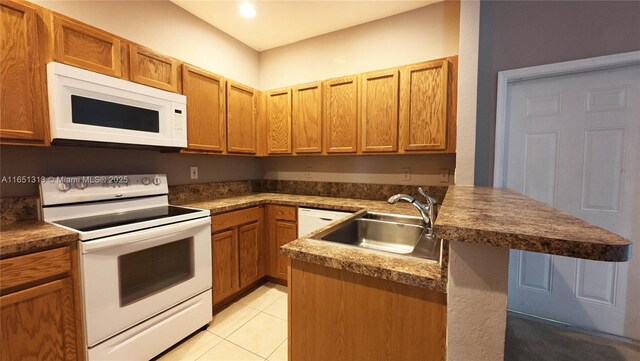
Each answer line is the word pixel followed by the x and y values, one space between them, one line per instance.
pixel 85 106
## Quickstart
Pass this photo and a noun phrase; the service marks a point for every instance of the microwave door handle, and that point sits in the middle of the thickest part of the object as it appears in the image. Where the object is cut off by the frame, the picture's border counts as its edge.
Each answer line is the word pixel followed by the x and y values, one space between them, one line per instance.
pixel 148 235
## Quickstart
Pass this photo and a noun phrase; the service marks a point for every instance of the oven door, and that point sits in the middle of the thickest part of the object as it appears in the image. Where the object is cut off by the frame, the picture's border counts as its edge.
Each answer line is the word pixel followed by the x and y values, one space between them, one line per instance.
pixel 131 277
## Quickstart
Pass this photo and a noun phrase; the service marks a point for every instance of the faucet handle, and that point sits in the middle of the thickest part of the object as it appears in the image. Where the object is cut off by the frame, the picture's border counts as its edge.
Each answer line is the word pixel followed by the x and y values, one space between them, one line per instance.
pixel 430 199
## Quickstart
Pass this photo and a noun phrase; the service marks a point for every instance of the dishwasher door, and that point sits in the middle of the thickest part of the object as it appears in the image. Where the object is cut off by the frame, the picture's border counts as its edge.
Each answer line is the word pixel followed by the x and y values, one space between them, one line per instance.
pixel 310 219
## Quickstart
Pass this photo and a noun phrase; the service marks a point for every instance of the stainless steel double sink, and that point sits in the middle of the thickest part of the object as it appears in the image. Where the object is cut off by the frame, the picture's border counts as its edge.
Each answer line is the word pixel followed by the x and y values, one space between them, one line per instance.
pixel 386 232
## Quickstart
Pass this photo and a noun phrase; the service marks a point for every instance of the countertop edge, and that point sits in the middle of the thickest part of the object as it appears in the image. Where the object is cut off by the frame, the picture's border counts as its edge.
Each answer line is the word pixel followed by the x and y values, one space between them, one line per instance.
pixel 292 251
pixel 36 245
pixel 524 242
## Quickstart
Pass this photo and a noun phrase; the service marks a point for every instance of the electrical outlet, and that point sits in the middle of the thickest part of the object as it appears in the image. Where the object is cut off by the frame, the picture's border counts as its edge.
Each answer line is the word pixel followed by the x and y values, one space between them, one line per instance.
pixel 194 172
pixel 444 175
pixel 406 174
pixel 308 173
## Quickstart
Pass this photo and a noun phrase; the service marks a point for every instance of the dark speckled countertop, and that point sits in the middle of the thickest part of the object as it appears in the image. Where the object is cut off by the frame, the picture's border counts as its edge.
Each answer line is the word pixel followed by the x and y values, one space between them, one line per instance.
pixel 503 218
pixel 29 236
pixel 345 204
pixel 489 216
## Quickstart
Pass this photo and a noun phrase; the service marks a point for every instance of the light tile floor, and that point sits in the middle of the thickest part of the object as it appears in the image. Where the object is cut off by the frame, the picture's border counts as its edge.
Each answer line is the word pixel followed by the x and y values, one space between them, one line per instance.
pixel 253 328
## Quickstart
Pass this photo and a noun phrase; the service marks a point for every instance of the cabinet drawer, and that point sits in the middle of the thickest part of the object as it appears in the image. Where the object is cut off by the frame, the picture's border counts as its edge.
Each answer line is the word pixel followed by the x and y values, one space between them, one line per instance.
pixel 30 268
pixel 233 219
pixel 284 213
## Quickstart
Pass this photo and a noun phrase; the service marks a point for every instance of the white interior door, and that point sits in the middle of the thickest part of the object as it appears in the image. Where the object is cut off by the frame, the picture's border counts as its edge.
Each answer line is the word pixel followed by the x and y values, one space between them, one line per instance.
pixel 571 141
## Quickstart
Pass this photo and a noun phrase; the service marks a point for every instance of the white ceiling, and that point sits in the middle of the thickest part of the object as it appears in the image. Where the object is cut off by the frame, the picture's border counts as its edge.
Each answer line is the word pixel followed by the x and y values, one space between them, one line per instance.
pixel 283 22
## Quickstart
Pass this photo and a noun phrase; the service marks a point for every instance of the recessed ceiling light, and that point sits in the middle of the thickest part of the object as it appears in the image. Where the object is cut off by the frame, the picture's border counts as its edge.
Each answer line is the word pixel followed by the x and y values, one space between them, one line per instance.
pixel 247 10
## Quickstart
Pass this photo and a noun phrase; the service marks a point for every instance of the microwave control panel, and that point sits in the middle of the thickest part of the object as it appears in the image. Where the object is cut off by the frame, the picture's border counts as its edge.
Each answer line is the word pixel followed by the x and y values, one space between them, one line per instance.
pixel 179 123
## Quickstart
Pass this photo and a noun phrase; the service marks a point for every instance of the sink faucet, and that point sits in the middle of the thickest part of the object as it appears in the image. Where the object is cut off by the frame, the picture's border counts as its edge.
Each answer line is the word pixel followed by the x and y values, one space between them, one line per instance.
pixel 427 212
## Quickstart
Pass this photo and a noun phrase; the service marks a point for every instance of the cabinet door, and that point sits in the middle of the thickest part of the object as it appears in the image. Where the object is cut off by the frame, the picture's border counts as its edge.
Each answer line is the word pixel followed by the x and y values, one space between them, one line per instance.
pixel 285 232
pixel 39 323
pixel 249 253
pixel 224 249
pixel 379 124
pixel 341 115
pixel 241 119
pixel 153 69
pixel 423 106
pixel 86 47
pixel 282 229
pixel 279 122
pixel 23 116
pixel 307 118
pixel 205 109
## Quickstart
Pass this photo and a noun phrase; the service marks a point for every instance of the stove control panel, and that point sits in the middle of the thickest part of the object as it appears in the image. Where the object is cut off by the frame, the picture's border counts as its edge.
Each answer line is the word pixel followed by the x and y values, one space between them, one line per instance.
pixel 75 189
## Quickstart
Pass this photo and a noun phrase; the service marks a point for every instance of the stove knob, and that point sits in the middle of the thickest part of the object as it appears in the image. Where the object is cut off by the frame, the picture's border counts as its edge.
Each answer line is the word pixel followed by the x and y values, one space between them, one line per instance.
pixel 81 184
pixel 156 181
pixel 146 181
pixel 63 187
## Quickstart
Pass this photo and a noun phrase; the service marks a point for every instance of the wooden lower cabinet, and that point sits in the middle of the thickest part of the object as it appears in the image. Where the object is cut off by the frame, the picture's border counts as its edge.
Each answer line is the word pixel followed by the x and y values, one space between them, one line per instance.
pixel 38 323
pixel 39 307
pixel 245 248
pixel 282 228
pixel 250 252
pixel 238 252
pixel 340 315
pixel 224 248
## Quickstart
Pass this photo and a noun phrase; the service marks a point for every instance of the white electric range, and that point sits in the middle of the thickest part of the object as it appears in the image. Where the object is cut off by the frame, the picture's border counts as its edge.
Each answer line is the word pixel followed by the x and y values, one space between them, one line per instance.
pixel 145 265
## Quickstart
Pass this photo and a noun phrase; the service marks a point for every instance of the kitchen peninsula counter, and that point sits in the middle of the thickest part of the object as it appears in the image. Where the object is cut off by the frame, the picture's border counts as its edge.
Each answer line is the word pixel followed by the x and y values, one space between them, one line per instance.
pixel 503 218
pixel 483 215
pixel 407 270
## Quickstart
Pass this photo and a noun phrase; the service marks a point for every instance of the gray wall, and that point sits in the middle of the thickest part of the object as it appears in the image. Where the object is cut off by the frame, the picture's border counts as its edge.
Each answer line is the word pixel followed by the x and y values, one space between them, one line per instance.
pixel 66 160
pixel 516 34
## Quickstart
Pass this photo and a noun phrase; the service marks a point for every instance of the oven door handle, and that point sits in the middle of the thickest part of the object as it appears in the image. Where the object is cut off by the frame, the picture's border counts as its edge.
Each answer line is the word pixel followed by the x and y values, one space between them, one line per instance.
pixel 152 235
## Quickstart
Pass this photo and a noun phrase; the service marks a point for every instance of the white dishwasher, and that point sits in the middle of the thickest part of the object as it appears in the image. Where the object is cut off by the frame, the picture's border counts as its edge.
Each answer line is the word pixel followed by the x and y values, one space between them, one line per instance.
pixel 310 219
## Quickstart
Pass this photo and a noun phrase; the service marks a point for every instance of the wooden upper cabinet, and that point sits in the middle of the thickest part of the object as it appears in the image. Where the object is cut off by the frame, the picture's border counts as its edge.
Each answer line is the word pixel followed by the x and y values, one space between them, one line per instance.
pixel 241 119
pixel 205 93
pixel 279 121
pixel 379 123
pixel 424 105
pixel 238 249
pixel 86 47
pixel 341 115
pixel 307 118
pixel 23 114
pixel 153 69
